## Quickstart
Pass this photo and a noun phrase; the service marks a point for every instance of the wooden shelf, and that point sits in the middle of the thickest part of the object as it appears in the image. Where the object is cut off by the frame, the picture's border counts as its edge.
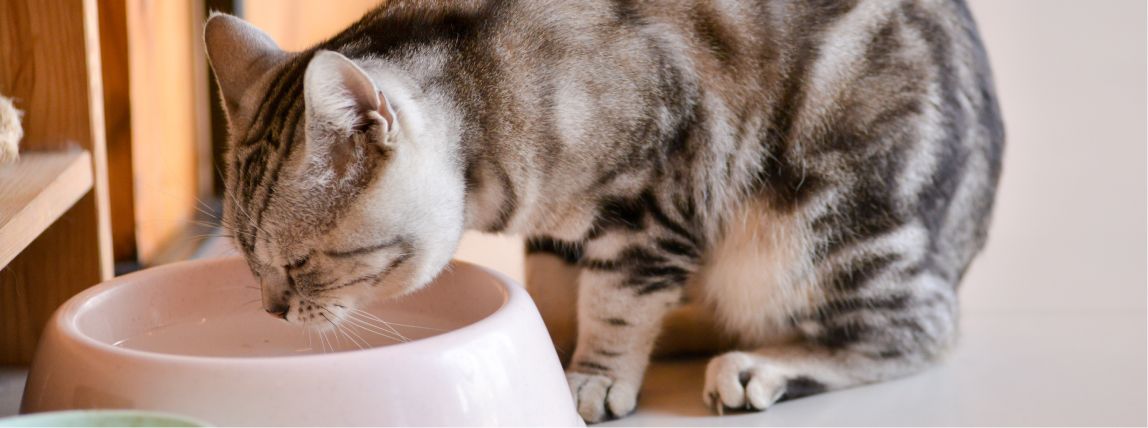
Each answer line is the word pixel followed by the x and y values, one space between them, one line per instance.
pixel 37 190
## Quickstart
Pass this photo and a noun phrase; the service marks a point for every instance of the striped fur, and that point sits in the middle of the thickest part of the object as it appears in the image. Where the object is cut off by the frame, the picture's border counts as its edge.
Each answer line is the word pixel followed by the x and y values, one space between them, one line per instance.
pixel 806 181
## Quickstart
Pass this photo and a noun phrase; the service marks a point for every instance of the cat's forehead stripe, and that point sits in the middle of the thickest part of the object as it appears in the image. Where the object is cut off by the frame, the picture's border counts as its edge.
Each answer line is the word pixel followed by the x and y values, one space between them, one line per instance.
pixel 279 114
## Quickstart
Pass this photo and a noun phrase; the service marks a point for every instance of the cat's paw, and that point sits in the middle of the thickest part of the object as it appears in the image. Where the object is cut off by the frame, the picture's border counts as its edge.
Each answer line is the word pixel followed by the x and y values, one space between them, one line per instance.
pixel 738 380
pixel 601 397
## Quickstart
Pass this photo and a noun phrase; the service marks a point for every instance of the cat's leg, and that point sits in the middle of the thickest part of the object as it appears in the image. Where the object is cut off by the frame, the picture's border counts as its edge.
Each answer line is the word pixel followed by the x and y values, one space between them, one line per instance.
pixel 552 281
pixel 626 288
pixel 854 340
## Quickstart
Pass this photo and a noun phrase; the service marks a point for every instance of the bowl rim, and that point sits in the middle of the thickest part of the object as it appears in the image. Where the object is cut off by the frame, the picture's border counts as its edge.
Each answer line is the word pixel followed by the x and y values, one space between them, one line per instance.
pixel 64 320
pixel 74 415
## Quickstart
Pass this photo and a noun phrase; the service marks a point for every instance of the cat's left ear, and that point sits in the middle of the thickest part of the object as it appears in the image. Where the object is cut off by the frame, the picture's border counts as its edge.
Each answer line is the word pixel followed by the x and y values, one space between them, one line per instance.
pixel 239 54
pixel 341 95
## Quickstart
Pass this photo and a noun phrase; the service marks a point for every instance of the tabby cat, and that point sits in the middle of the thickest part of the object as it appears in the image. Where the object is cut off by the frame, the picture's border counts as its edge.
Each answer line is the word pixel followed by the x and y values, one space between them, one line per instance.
pixel 799 183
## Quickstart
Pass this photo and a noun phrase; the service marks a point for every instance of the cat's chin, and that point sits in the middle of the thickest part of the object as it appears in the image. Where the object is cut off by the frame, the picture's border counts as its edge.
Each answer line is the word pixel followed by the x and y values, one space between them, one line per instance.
pixel 404 281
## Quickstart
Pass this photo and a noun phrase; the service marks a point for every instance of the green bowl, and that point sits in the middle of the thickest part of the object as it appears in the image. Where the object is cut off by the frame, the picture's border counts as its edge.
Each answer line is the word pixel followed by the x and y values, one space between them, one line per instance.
pixel 101 418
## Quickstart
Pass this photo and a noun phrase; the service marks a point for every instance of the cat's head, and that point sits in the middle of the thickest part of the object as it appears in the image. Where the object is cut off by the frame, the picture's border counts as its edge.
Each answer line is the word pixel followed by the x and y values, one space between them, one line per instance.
pixel 338 188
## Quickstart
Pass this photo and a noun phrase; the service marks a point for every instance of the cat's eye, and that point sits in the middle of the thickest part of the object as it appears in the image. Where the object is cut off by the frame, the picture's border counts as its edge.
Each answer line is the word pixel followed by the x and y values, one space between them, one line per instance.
pixel 298 263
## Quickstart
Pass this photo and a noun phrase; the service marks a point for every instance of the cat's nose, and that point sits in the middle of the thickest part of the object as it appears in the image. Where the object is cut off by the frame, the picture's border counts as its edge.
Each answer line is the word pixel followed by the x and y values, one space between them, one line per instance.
pixel 276 302
pixel 277 309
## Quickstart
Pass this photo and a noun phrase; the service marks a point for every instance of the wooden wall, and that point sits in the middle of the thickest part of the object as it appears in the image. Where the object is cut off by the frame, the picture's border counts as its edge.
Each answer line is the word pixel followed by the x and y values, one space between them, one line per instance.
pixel 118 125
pixel 168 133
pixel 50 63
pixel 298 24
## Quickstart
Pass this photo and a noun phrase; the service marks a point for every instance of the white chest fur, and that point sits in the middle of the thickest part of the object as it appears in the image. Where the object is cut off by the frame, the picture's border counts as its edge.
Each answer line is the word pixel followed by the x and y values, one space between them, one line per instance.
pixel 757 275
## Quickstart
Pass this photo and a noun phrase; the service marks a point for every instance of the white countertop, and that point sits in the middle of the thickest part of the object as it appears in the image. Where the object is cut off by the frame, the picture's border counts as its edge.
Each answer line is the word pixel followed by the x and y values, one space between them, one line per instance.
pixel 1010 369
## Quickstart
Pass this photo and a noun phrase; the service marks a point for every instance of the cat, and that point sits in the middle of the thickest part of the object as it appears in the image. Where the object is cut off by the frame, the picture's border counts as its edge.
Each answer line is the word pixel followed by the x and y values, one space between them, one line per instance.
pixel 798 184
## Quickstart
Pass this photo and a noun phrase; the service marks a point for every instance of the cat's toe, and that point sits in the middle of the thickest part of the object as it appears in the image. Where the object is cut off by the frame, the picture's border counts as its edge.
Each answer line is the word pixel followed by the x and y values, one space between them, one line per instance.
pixel 600 397
pixel 738 380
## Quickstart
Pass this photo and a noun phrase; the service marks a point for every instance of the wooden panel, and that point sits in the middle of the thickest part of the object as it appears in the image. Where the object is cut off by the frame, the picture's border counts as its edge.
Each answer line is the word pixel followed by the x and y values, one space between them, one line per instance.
pixel 298 24
pixel 118 124
pixel 37 190
pixel 163 36
pixel 49 62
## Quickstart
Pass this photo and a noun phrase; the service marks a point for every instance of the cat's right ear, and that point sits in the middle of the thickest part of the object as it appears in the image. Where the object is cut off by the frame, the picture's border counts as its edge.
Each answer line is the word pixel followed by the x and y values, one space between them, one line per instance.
pixel 239 54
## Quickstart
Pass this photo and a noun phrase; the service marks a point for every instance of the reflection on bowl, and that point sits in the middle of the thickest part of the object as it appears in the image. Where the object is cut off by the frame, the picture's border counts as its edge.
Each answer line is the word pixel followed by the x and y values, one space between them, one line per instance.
pixel 191 338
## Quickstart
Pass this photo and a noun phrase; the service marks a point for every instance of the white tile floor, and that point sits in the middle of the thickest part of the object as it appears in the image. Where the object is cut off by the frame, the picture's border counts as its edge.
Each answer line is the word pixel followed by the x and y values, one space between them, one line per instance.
pixel 1054 320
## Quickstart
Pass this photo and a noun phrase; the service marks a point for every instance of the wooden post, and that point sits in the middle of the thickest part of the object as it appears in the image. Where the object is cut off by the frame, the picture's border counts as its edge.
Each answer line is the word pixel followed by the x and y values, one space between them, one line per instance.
pixel 114 67
pixel 50 63
pixel 169 129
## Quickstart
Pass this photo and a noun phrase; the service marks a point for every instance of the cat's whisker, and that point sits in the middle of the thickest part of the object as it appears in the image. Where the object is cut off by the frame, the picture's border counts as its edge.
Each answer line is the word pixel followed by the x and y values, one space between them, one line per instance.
pixel 351 330
pixel 417 326
pixel 203 208
pixel 218 235
pixel 340 333
pixel 375 320
pixel 339 329
pixel 250 301
pixel 392 324
pixel 384 322
pixel 347 332
pixel 322 343
pixel 199 239
pixel 239 210
pixel 212 223
pixel 201 223
pixel 371 328
pixel 338 342
pixel 212 235
pixel 250 219
pixel 389 334
pixel 408 325
pixel 326 342
pixel 235 203
pixel 362 324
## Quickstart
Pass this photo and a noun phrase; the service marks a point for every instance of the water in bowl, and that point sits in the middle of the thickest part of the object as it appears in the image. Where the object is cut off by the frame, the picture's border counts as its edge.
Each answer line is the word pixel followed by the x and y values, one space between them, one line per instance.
pixel 248 331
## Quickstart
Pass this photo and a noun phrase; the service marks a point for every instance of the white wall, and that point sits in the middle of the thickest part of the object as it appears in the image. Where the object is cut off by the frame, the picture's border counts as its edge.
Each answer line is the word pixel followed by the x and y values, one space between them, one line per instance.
pixel 1069 230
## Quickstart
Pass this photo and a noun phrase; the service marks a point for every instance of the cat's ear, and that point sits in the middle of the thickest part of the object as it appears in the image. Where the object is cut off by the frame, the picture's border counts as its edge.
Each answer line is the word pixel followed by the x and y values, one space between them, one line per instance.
pixel 239 54
pixel 340 94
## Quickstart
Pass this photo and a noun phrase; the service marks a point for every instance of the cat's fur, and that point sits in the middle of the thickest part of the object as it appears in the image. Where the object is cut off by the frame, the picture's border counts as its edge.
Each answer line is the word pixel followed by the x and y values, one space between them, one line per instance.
pixel 805 180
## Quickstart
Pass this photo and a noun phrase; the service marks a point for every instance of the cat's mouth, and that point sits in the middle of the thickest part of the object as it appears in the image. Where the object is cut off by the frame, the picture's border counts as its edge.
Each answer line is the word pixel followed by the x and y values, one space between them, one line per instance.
pixel 345 320
pixel 313 313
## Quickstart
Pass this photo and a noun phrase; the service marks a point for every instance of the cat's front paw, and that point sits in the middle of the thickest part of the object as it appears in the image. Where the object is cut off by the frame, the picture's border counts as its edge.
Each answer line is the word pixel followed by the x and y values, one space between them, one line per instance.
pixel 738 380
pixel 601 397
